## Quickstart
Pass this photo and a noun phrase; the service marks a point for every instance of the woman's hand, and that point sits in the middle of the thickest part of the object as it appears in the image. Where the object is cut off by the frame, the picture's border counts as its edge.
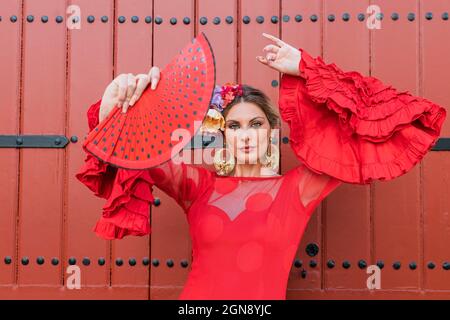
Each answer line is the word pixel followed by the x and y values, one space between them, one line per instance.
pixel 281 57
pixel 125 90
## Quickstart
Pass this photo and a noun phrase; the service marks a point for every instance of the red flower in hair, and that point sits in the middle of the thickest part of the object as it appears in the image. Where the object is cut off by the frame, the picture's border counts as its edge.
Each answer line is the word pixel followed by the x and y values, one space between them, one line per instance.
pixel 230 91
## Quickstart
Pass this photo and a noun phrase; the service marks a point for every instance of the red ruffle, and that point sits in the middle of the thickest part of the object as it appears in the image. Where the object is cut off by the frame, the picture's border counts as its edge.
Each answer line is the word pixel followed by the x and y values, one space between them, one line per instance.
pixel 128 193
pixel 368 130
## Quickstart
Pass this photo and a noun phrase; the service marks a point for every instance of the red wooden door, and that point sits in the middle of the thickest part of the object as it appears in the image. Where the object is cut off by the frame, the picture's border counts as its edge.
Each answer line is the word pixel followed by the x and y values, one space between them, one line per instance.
pixel 58 57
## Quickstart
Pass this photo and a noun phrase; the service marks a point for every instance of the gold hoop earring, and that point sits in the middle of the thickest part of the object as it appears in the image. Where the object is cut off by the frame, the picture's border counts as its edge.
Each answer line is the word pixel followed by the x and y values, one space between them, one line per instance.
pixel 223 166
pixel 272 156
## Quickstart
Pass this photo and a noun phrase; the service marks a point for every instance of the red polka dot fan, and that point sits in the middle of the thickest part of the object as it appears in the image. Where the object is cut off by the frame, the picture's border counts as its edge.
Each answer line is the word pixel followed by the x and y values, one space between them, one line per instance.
pixel 142 137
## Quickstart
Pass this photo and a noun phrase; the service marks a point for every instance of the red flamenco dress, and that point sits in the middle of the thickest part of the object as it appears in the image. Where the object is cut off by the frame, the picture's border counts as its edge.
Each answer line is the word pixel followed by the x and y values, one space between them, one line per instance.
pixel 245 231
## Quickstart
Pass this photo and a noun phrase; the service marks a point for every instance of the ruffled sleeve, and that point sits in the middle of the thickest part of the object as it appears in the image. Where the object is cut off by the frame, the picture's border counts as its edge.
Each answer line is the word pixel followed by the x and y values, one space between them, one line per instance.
pixel 128 193
pixel 353 127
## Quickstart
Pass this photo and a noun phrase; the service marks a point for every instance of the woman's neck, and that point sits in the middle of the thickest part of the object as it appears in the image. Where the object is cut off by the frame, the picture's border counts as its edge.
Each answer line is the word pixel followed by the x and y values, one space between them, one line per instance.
pixel 247 170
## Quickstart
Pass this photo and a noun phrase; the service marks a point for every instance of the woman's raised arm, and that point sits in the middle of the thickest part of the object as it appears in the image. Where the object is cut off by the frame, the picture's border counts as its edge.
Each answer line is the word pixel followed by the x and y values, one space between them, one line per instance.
pixel 129 192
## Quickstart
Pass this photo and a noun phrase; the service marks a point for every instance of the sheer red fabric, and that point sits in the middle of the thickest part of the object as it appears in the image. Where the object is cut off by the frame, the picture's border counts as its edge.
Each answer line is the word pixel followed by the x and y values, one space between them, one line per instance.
pixel 245 230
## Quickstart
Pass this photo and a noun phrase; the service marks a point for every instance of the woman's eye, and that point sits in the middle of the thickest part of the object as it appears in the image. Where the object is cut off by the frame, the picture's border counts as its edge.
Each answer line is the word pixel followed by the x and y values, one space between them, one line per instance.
pixel 257 124
pixel 233 126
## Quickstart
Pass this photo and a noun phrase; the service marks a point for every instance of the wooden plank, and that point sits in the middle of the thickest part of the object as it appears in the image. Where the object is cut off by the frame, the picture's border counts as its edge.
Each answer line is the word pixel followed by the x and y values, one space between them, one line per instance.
pixel 10 56
pixel 436 165
pixel 90 71
pixel 397 204
pixel 42 191
pixel 346 213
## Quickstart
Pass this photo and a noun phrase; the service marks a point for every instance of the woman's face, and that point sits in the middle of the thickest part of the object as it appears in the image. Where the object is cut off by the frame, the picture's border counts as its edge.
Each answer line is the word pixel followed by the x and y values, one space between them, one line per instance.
pixel 247 125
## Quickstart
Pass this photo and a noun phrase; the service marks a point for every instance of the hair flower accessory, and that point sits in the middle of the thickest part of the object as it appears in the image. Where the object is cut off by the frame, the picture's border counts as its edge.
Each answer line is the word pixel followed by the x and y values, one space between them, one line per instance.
pixel 222 97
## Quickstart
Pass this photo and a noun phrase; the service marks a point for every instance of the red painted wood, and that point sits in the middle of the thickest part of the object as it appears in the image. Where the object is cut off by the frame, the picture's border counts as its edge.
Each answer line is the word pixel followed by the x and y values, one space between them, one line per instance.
pixel 42 171
pixel 9 124
pixel 90 57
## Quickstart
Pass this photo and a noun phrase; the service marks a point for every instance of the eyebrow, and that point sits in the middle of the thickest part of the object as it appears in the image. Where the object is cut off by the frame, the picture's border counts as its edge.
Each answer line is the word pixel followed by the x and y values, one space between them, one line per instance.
pixel 249 121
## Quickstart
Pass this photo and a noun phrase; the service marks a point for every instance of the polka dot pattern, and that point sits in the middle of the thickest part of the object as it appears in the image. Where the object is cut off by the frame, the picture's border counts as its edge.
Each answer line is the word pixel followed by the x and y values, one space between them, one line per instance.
pixel 249 257
pixel 141 138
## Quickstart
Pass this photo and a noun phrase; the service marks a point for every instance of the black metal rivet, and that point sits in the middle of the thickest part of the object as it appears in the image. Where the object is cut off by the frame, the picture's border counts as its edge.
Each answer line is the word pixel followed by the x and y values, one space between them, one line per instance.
pixel 40 260
pixel 431 265
pixel 8 260
pixel 445 16
pixel 55 261
pixel 145 261
pixel 184 263
pixel 246 19
pixel 104 19
pixel 285 140
pixel 157 201
pixel 380 264
pixel 298 18
pixel 362 264
pixel 86 261
pixel 286 18
pixel 313 263
pixel 74 139
pixel 429 15
pixel 13 18
pixel 58 141
pixel 446 265
pixel 411 16
pixel 132 262
pixel 30 18
pixel 173 21
pixel 101 261
pixel 119 262
pixel 331 17
pixel 229 19
pixel 346 264
pixel 186 20
pixel 312 249
pixel 274 83
pixel 314 18
pixel 331 264
pixel 413 265
pixel 274 19
pixel 44 19
pixel 396 265
pixel 59 19
pixel 216 20
pixel 158 20
pixel 72 261
pixel 90 19
pixel 346 16
pixel 19 141
pixel 135 19
pixel 121 19
pixel 148 19
pixel 298 263
pixel 394 16
pixel 303 274
pixel 203 20
pixel 361 17
pixel 260 19
pixel 379 16
pixel 25 261
pixel 155 262
pixel 169 263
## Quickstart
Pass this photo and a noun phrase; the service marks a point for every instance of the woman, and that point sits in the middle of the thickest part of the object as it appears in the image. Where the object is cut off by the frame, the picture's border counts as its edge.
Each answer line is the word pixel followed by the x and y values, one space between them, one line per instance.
pixel 246 226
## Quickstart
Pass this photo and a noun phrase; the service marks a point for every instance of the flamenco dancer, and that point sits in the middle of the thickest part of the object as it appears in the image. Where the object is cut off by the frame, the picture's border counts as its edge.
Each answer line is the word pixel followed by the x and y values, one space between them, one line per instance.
pixel 246 224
